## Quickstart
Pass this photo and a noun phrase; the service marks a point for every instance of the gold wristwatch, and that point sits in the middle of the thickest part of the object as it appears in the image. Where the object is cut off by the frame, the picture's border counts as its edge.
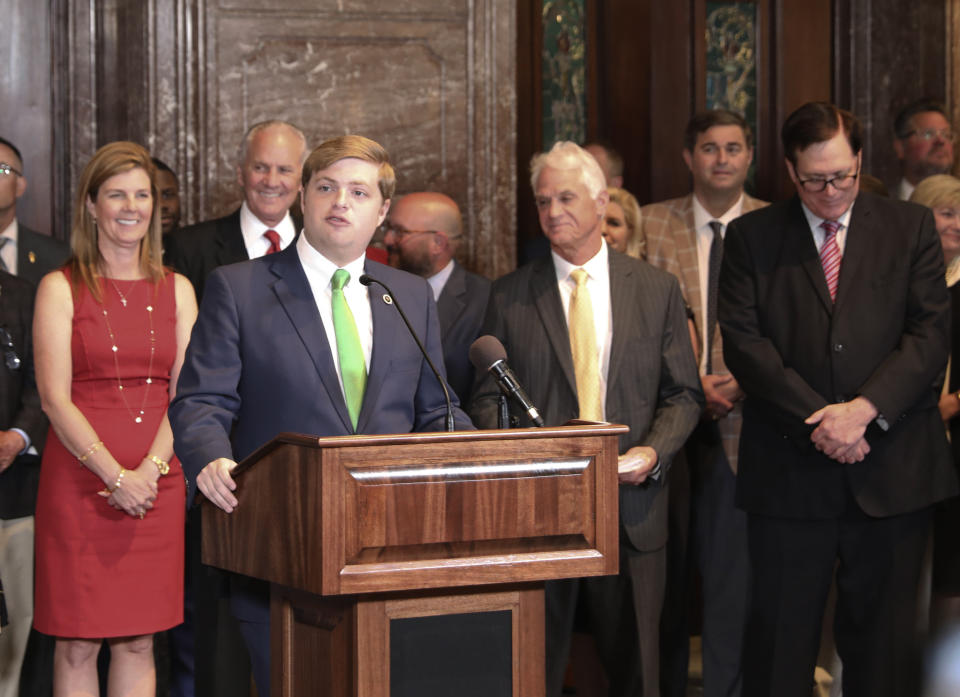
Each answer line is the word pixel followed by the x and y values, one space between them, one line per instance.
pixel 162 465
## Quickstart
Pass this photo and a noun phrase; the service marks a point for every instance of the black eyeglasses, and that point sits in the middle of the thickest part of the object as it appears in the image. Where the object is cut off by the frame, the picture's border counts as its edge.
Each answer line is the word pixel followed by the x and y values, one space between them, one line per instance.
pixel 402 233
pixel 841 182
pixel 10 356
pixel 931 133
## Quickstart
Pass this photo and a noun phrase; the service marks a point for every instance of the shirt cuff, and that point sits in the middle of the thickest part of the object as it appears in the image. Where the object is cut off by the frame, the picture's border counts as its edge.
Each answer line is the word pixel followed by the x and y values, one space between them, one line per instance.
pixel 26 439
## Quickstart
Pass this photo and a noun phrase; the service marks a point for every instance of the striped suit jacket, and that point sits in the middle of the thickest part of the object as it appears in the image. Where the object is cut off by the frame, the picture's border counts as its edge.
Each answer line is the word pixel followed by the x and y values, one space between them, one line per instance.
pixel 671 242
pixel 652 383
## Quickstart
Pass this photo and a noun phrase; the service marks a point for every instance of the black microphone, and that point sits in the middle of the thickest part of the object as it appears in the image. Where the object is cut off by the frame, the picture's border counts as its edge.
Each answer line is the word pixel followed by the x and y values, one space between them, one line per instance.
pixel 488 354
pixel 366 281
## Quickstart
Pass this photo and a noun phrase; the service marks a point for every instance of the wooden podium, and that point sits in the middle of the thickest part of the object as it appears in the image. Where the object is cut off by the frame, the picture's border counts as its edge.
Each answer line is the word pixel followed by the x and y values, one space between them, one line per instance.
pixel 363 536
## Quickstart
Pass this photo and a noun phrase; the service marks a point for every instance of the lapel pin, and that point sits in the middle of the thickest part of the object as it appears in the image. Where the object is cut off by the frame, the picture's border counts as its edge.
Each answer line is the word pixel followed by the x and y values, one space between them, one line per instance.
pixel 387 299
pixel 32 257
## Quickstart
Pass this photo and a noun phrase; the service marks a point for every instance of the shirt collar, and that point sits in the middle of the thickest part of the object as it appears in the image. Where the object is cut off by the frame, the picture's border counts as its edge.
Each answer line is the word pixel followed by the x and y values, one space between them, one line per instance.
pixel 253 228
pixel 814 221
pixel 438 280
pixel 318 264
pixel 596 267
pixel 11 230
pixel 702 217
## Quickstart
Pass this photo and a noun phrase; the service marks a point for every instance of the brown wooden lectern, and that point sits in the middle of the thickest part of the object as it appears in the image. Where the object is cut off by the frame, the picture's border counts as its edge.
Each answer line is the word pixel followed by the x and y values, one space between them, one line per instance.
pixel 354 533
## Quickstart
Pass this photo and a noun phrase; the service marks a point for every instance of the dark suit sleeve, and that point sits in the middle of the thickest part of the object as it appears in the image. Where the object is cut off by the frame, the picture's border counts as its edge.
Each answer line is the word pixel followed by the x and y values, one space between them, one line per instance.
pixel 680 399
pixel 749 354
pixel 207 400
pixel 914 366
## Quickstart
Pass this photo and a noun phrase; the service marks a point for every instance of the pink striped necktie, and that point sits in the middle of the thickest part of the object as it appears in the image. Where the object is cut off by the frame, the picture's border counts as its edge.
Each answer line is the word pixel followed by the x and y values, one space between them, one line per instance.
pixel 830 256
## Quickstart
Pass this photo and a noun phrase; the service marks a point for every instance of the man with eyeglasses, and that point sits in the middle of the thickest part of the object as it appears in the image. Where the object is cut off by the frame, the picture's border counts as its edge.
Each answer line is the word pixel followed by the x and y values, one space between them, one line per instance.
pixel 422 235
pixel 923 143
pixel 834 315
pixel 23 428
pixel 23 252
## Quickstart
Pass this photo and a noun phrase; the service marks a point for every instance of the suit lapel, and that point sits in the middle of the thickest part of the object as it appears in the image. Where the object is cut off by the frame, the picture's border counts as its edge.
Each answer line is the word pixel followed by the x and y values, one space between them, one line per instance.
pixel 856 247
pixel 546 296
pixel 452 303
pixel 620 307
pixel 386 325
pixel 800 245
pixel 230 245
pixel 295 296
pixel 691 271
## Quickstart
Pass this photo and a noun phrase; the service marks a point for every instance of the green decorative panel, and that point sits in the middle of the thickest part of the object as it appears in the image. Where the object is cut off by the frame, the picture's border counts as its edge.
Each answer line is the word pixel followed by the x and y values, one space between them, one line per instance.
pixel 564 70
pixel 731 65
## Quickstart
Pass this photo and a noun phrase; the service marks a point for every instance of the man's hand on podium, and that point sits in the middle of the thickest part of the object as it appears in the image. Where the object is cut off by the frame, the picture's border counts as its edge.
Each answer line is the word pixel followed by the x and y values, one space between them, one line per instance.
pixel 217 485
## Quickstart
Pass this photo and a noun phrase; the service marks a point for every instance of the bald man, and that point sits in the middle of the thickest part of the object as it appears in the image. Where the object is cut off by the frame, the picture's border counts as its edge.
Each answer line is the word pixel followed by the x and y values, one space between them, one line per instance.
pixel 422 233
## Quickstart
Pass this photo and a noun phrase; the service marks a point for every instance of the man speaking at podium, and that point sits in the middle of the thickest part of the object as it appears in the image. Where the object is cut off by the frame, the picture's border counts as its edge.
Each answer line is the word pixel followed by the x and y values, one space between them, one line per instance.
pixel 293 342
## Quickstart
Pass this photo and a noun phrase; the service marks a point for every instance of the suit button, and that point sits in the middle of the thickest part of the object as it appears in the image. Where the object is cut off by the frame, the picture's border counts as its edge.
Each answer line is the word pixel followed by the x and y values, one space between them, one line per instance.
pixel 840 399
pixel 837 348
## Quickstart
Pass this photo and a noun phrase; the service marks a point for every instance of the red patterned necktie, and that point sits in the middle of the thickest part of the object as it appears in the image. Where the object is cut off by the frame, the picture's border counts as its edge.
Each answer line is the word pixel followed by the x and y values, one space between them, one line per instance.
pixel 274 240
pixel 830 256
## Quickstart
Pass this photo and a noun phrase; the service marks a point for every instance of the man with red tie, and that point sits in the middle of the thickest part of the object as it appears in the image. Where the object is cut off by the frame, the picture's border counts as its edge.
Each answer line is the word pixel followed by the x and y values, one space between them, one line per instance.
pixel 272 155
pixel 834 314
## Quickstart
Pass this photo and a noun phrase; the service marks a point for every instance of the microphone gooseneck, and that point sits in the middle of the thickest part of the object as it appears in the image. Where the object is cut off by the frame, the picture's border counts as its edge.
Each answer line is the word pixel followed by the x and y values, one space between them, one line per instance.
pixel 366 280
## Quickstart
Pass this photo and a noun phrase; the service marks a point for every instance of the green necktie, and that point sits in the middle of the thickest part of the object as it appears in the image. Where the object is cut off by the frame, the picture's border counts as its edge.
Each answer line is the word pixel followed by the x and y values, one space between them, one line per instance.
pixel 353 368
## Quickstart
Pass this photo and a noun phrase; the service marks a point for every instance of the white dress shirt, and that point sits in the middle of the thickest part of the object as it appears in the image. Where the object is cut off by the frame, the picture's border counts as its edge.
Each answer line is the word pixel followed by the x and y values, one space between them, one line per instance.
pixel 701 221
pixel 319 271
pixel 438 280
pixel 820 235
pixel 253 228
pixel 598 284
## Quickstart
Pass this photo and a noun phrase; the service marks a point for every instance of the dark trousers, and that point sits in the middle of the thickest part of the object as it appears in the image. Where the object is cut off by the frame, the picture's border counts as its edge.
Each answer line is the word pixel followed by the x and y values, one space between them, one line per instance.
pixel 720 542
pixel 875 625
pixel 623 612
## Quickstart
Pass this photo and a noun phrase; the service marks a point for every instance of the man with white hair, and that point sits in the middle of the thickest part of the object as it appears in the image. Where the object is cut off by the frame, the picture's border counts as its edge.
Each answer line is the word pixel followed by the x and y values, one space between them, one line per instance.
pixel 594 334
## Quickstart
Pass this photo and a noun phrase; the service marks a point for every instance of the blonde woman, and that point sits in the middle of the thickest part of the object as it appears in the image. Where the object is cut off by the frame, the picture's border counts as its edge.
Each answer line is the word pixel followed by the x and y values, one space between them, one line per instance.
pixel 110 329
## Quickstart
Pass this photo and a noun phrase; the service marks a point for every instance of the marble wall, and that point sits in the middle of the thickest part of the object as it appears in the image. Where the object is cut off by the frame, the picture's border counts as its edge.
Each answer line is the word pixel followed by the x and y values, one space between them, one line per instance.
pixel 431 80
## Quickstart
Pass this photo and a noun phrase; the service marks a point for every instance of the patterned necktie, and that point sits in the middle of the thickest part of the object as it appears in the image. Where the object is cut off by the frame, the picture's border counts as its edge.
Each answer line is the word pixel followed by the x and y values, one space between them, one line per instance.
pixel 713 287
pixel 353 369
pixel 583 345
pixel 3 264
pixel 274 239
pixel 830 256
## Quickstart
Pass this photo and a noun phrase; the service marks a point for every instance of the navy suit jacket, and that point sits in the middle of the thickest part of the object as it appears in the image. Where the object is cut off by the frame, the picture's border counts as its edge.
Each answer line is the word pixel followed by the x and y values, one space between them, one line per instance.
pixel 461 307
pixel 259 364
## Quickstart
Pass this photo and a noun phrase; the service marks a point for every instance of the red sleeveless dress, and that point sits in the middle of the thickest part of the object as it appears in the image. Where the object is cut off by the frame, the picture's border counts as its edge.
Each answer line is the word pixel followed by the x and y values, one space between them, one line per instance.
pixel 99 572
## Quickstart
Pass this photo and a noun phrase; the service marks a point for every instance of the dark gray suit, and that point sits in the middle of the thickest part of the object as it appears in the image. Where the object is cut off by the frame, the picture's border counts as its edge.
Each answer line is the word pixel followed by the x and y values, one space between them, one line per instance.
pixel 654 389
pixel 461 306
pixel 38 255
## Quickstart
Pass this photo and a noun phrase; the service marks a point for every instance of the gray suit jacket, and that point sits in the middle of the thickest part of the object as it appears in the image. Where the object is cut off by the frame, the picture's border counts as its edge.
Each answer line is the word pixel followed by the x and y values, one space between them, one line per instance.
pixel 38 255
pixel 461 307
pixel 652 384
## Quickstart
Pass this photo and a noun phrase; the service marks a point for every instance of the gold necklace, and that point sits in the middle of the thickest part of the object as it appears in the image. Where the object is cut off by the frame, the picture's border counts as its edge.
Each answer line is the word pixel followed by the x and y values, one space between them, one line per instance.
pixel 137 418
pixel 123 298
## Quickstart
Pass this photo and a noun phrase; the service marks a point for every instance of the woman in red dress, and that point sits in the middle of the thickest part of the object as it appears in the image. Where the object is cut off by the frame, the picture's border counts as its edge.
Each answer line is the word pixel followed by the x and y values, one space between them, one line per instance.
pixel 110 329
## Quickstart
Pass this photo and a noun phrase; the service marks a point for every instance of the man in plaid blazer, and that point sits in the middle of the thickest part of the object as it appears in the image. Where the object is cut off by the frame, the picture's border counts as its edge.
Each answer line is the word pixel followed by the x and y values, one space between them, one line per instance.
pixel 718 149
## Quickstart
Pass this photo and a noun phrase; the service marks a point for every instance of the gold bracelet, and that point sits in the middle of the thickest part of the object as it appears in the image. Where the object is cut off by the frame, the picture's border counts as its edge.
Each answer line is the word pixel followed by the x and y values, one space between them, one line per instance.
pixel 94 447
pixel 162 465
pixel 116 484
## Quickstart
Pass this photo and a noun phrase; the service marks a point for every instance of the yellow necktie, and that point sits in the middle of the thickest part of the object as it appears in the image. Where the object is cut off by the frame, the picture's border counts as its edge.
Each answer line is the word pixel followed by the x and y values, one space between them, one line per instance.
pixel 583 345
